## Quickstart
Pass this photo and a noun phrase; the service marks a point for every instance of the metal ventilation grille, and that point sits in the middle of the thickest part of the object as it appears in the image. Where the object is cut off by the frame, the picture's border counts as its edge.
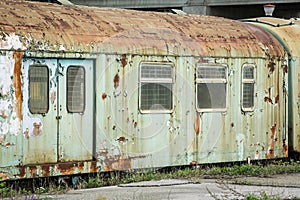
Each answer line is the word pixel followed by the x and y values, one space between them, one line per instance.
pixel 157 71
pixel 75 89
pixel 38 89
pixel 211 72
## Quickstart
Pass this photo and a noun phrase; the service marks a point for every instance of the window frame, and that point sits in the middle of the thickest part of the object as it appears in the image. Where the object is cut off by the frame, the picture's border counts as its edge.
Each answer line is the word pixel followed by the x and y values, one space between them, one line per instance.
pixel 158 81
pixel 248 81
pixel 211 81
pixel 46 92
pixel 67 90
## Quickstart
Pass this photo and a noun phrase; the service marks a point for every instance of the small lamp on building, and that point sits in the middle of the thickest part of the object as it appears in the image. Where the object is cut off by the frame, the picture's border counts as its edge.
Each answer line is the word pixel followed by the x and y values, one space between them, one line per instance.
pixel 269 8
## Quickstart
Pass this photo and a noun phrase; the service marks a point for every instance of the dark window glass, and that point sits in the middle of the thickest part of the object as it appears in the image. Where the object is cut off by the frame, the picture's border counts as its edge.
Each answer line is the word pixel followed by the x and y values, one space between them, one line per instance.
pixel 75 89
pixel 248 95
pixel 38 89
pixel 211 95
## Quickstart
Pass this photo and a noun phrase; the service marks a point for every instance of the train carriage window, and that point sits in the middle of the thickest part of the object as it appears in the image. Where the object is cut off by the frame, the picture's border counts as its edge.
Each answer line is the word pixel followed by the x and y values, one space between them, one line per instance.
pixel 211 86
pixel 156 83
pixel 75 89
pixel 248 81
pixel 38 89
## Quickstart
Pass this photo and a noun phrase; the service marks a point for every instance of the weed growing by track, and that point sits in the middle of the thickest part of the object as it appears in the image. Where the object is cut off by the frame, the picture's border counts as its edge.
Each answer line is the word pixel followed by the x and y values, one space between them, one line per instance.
pixel 194 173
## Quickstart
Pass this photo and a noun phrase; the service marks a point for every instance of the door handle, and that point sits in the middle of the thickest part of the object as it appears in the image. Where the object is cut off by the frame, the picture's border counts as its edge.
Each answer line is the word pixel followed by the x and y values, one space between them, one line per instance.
pixel 58 117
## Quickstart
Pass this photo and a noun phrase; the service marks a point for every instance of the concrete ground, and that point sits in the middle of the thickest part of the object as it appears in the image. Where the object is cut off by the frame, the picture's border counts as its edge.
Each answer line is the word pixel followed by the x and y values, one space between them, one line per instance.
pixel 281 186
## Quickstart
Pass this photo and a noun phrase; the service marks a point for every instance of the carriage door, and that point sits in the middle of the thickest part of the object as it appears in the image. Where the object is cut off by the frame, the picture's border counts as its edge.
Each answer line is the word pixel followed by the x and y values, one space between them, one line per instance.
pixel 75 98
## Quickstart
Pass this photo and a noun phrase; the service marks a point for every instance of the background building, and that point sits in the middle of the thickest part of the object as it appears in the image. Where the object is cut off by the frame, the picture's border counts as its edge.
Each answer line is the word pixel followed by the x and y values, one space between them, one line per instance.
pixel 235 9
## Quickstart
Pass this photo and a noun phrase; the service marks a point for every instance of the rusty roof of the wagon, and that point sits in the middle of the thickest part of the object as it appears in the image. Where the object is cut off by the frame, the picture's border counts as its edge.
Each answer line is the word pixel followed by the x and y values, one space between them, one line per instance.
pixel 52 27
pixel 286 30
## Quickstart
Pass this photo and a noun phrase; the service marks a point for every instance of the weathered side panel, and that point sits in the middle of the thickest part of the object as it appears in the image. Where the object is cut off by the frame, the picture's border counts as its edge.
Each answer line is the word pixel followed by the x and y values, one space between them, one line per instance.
pixel 127 136
pixel 10 102
pixel 39 130
pixel 185 136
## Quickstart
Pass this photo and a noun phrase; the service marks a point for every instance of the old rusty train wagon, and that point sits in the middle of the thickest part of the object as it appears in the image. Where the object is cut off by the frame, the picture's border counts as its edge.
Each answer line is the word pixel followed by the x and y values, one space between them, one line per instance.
pixel 98 89
pixel 288 34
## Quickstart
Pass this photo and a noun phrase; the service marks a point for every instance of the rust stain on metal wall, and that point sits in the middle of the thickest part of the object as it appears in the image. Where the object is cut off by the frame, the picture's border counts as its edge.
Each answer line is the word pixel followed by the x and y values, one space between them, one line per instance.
pixel 271 153
pixel 33 171
pixel 285 68
pixel 116 81
pixel 113 158
pixel 268 99
pixel 18 82
pixel 122 139
pixel 124 60
pixel 118 162
pixel 66 168
pixel 45 170
pixel 22 172
pixel 93 167
pixel 26 133
pixel 271 67
pixel 197 123
pixel 104 95
pixel 285 149
pixel 53 97
pixel 277 99
pixel 4 176
pixel 37 128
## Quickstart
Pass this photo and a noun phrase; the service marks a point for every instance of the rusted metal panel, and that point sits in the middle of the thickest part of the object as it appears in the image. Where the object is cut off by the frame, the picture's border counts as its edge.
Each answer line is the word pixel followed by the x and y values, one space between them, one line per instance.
pixel 185 136
pixel 52 27
pixel 39 130
pixel 287 32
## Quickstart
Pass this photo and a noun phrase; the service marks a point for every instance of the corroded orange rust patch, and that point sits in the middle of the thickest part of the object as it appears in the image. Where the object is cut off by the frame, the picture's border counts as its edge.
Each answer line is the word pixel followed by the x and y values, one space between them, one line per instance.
pixel 17 82
pixel 271 67
pixel 270 153
pixel 277 99
pixel 285 149
pixel 121 139
pixel 124 60
pixel 197 123
pixel 193 163
pixel 104 95
pixel 285 68
pixel 3 176
pixel 268 99
pixel 116 81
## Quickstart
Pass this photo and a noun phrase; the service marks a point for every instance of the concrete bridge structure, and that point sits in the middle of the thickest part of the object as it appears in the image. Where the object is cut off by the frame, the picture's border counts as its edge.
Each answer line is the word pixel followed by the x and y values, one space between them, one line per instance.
pixel 235 9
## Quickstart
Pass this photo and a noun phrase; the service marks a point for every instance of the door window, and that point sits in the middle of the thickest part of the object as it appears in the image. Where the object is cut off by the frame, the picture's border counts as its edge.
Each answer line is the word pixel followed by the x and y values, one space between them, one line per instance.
pixel 38 89
pixel 75 89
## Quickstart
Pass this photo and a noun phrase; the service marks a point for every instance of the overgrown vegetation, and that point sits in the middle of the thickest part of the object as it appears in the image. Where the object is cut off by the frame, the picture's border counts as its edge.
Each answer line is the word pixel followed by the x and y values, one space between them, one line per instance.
pixel 42 186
